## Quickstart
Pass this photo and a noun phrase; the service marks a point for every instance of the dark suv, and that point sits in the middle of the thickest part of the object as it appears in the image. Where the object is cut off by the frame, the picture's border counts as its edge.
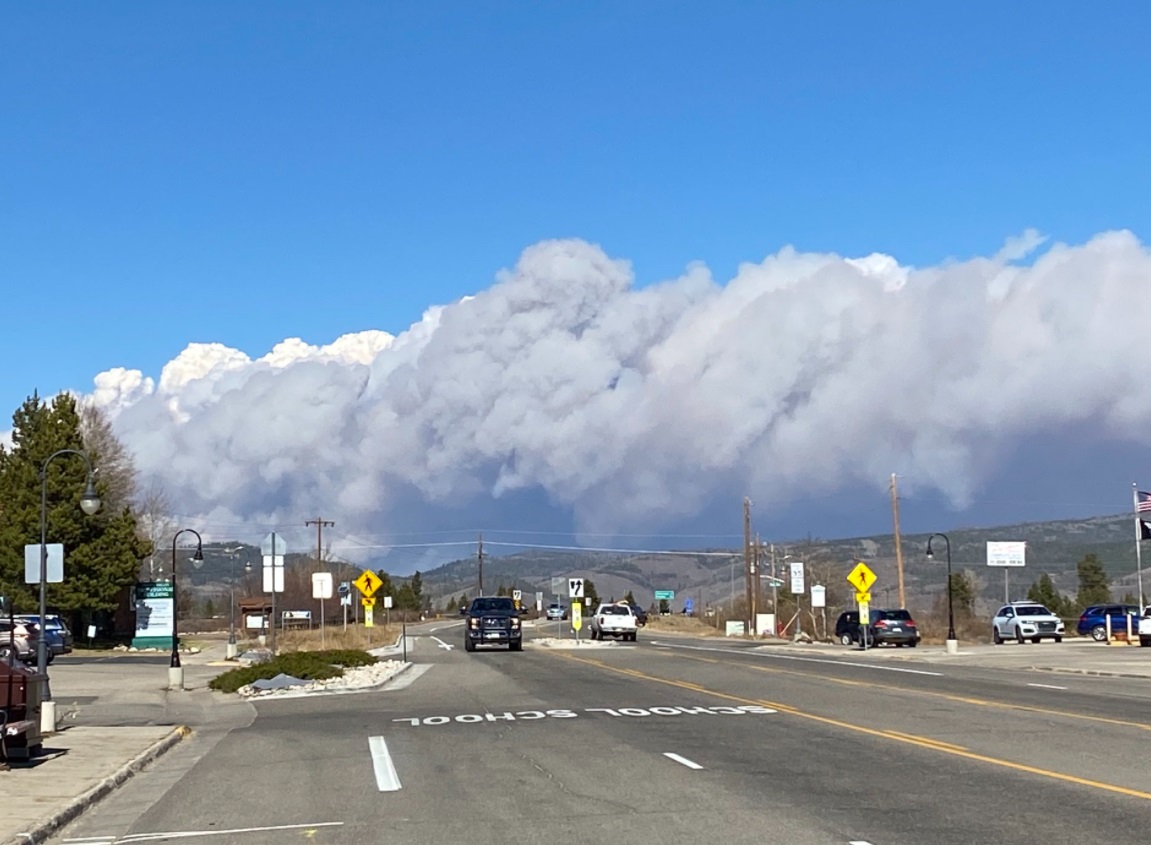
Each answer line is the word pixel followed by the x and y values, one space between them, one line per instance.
pixel 493 620
pixel 884 626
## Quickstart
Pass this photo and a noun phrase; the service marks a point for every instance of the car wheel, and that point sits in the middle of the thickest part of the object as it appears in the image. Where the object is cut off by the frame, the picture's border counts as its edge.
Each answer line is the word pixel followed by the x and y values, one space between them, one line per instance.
pixel 913 644
pixel 995 636
pixel 1019 636
pixel 846 639
pixel 516 646
pixel 469 645
pixel 1099 634
pixel 1060 639
pixel 1036 640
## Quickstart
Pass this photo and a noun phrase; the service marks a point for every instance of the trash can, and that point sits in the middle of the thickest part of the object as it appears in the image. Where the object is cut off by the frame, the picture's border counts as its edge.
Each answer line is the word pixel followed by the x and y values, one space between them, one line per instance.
pixel 20 695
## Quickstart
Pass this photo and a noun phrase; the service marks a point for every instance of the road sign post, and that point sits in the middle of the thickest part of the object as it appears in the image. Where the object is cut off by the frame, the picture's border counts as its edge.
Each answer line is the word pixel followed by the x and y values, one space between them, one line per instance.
pixel 322 589
pixel 577 617
pixel 274 550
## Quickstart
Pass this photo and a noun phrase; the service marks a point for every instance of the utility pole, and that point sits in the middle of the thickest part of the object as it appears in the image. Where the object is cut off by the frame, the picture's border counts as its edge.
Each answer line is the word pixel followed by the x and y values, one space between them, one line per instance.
pixel 747 564
pixel 898 546
pixel 757 593
pixel 320 522
pixel 480 559
pixel 774 596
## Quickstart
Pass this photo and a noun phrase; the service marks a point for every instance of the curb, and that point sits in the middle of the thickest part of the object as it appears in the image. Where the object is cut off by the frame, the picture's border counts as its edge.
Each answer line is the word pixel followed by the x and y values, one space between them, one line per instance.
pixel 44 828
pixel 1097 673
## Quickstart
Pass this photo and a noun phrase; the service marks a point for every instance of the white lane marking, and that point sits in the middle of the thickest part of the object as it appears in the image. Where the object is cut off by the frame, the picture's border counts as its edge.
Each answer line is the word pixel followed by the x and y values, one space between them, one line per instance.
pixel 185 834
pixel 386 778
pixel 858 842
pixel 1046 686
pixel 92 839
pixel 443 645
pixel 829 662
pixel 683 760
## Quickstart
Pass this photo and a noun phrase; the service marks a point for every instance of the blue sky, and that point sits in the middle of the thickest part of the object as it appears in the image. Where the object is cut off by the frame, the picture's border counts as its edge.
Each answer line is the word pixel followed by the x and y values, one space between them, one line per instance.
pixel 245 172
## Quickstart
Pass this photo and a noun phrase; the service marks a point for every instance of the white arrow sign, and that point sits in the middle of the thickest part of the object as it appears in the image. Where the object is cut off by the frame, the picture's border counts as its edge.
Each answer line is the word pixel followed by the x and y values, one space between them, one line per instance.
pixel 575 588
pixel 442 644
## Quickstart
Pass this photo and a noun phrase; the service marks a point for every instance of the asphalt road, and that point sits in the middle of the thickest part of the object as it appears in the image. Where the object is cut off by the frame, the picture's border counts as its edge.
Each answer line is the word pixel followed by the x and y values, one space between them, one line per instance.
pixel 672 740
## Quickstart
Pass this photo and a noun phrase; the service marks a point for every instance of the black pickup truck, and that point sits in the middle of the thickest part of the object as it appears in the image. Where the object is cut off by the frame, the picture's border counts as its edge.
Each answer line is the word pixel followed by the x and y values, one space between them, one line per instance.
pixel 492 620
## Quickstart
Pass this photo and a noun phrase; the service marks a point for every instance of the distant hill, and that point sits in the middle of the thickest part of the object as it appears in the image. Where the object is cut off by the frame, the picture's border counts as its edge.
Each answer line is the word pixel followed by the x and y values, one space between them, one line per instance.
pixel 713 577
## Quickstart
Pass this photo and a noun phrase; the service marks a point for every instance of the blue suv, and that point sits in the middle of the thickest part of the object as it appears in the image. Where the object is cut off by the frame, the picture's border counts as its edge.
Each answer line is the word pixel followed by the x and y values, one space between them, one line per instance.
pixel 1093 622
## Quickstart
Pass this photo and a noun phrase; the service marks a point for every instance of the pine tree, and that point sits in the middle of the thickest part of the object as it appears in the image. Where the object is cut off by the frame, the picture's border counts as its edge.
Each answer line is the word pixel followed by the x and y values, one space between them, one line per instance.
pixel 591 597
pixel 962 593
pixel 1092 582
pixel 102 553
pixel 1043 592
pixel 629 598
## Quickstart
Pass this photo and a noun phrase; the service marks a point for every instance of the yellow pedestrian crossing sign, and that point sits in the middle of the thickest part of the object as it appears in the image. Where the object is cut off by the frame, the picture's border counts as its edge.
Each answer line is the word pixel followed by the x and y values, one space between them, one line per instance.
pixel 863 598
pixel 368 583
pixel 370 602
pixel 861 577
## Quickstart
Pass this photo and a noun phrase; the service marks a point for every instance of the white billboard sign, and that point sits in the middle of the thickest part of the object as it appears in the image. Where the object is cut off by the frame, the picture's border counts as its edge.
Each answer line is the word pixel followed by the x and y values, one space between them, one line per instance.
pixel 55 571
pixel 1006 553
pixel 818 595
pixel 321 585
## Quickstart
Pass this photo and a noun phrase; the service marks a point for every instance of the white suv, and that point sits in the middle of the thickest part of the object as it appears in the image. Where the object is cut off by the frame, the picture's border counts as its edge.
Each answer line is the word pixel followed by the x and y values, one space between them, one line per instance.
pixel 1026 620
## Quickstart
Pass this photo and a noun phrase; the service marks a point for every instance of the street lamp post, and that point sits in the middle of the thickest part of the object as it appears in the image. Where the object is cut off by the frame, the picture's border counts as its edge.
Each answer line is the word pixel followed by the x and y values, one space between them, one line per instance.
pixel 175 670
pixel 952 642
pixel 90 504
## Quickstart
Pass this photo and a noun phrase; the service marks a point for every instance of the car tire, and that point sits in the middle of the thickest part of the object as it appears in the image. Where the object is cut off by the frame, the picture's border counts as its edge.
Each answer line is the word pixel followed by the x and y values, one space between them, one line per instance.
pixel 468 644
pixel 846 639
pixel 1059 639
pixel 1036 640
pixel 1099 634
pixel 516 646
pixel 1019 635
pixel 913 644
pixel 996 638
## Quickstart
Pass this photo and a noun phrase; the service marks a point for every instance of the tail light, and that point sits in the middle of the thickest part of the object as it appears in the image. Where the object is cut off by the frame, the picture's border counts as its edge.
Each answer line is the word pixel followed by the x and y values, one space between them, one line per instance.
pixel 880 623
pixel 911 622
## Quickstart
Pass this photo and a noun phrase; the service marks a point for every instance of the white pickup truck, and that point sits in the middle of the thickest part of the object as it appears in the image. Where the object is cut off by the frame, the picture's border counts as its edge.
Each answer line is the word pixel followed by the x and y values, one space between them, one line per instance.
pixel 613 620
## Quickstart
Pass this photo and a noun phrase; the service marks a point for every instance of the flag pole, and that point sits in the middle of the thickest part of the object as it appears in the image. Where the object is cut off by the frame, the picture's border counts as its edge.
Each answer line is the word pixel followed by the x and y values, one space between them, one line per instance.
pixel 1138 542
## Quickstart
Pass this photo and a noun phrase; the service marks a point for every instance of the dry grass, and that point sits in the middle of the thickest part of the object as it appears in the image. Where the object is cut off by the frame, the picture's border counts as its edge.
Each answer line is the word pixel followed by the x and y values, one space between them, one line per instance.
pixel 682 625
pixel 356 636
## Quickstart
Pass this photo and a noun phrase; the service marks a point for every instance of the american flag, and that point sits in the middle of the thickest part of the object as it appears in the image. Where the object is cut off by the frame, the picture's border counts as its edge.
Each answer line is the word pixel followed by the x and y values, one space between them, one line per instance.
pixel 1142 501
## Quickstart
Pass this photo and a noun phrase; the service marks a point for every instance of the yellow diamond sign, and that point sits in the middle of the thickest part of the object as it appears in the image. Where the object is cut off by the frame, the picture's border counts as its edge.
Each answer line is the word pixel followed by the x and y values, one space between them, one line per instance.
pixel 861 577
pixel 368 583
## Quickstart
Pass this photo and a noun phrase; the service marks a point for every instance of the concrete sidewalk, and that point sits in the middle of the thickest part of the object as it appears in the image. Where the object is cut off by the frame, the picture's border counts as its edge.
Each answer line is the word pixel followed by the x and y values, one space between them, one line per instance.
pixel 115 716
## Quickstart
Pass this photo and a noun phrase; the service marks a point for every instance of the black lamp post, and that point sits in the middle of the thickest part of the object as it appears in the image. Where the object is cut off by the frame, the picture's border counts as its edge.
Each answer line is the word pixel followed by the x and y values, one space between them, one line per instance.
pixel 90 504
pixel 175 670
pixel 950 606
pixel 232 649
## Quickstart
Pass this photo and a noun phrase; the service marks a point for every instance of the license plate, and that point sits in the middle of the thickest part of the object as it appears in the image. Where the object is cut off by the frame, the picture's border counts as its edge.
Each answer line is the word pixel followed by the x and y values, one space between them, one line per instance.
pixel 492 635
pixel 897 630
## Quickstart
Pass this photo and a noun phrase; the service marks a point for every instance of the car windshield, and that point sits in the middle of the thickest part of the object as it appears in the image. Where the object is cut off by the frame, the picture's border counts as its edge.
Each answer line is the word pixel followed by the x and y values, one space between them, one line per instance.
pixel 1032 610
pixel 616 610
pixel 897 614
pixel 497 605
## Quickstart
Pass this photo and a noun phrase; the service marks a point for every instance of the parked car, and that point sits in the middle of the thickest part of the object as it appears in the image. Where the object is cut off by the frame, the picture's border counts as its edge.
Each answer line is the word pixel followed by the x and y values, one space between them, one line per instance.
pixel 56 633
pixel 893 626
pixel 18 640
pixel 1093 620
pixel 557 611
pixel 1026 620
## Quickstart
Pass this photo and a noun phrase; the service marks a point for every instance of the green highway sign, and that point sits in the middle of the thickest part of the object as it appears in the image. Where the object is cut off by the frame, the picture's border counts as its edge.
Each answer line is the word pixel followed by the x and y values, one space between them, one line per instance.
pixel 664 595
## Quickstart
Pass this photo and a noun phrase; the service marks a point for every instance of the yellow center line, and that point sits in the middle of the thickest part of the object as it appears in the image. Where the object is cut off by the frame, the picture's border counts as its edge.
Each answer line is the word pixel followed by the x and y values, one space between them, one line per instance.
pixel 939 742
pixel 960 699
pixel 892 736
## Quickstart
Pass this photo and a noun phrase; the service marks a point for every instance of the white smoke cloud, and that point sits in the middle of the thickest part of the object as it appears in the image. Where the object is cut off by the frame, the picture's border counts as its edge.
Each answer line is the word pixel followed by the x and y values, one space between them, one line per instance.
pixel 634 408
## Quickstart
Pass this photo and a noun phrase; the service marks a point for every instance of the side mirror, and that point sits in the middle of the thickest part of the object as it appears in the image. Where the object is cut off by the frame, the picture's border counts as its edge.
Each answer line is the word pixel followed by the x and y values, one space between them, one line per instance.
pixel 4 605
